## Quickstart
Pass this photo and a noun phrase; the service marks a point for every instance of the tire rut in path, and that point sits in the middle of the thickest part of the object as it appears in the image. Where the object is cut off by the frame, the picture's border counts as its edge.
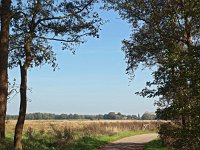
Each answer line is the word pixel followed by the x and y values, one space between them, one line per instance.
pixel 136 142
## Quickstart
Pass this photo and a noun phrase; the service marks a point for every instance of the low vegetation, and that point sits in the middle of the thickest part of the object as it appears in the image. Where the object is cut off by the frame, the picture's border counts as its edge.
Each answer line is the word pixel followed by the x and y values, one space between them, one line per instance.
pixel 177 137
pixel 75 135
pixel 157 144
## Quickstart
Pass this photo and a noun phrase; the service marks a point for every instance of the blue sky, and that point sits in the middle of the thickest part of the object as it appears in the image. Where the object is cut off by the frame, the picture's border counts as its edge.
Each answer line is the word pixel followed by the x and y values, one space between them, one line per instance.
pixel 93 81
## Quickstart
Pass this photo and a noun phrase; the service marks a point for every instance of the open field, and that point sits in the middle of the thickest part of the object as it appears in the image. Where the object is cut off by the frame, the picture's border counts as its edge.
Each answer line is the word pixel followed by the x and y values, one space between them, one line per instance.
pixel 78 134
pixel 109 125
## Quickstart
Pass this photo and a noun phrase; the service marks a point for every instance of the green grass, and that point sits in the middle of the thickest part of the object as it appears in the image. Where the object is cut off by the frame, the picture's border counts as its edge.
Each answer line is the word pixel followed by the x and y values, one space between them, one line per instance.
pixel 89 143
pixel 122 135
pixel 46 142
pixel 74 135
pixel 155 145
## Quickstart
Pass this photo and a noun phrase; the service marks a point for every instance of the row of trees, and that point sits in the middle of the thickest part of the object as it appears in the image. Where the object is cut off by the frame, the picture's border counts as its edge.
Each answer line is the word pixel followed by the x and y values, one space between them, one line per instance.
pixel 166 37
pixel 109 116
pixel 27 29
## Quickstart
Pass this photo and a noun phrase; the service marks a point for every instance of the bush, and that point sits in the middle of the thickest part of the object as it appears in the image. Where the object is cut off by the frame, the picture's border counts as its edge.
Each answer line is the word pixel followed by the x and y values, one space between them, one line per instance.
pixel 176 137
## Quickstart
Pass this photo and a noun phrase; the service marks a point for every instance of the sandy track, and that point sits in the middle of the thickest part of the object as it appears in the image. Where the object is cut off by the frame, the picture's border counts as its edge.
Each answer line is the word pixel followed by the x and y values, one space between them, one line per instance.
pixel 130 143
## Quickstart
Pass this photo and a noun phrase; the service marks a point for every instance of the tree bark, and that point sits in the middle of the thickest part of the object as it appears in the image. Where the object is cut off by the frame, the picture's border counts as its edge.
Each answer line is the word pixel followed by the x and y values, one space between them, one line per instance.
pixel 4 43
pixel 23 95
pixel 22 111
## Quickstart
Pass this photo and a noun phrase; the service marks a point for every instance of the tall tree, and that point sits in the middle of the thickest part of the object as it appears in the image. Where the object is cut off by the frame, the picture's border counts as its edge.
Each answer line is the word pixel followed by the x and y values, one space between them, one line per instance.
pixel 36 24
pixel 5 15
pixel 166 35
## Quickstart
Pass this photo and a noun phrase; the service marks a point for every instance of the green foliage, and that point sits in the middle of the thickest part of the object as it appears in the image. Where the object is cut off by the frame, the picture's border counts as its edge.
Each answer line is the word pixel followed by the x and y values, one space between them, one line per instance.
pixel 156 145
pixel 34 25
pixel 37 23
pixel 178 137
pixel 166 36
pixel 148 116
pixel 58 139
pixel 7 144
pixel 88 143
pixel 50 116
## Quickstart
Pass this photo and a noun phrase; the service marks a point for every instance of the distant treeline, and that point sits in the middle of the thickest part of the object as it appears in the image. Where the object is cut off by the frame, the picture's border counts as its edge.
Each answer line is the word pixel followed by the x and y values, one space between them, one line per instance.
pixel 109 116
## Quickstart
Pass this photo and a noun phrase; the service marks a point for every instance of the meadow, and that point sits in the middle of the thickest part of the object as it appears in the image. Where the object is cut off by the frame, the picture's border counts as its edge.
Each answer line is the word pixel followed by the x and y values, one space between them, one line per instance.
pixel 76 134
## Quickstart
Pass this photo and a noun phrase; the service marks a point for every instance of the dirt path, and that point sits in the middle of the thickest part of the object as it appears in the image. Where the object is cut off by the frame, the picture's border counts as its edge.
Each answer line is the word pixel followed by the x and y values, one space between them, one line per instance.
pixel 130 143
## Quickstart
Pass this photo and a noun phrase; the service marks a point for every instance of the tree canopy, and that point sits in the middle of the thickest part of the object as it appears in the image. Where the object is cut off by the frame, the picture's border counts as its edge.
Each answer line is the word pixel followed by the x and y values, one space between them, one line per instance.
pixel 165 35
pixel 108 116
pixel 41 22
pixel 34 25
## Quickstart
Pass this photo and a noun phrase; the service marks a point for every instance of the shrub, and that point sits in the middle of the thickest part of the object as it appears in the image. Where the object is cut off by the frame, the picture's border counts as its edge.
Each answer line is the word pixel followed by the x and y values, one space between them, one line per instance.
pixel 178 138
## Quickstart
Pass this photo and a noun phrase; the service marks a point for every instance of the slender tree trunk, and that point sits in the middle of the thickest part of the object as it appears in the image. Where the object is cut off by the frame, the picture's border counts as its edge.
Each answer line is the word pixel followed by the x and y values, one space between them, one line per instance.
pixel 22 111
pixel 4 43
pixel 23 95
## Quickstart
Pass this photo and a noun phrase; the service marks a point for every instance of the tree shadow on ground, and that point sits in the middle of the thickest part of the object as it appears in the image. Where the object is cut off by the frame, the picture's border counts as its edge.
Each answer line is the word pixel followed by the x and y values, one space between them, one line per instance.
pixel 88 143
pixel 7 144
pixel 123 146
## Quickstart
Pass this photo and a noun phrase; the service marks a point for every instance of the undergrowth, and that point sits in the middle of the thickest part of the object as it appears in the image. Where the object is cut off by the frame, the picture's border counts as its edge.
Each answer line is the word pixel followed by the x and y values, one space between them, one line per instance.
pixel 87 137
pixel 157 144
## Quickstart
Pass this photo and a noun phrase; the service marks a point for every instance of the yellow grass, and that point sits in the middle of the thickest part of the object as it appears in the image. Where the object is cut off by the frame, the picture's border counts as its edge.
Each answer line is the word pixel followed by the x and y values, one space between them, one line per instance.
pixel 38 134
pixel 46 125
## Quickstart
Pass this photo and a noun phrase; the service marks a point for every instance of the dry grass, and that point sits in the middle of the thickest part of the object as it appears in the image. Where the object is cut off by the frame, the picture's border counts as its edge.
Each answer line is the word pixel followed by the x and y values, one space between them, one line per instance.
pixel 87 134
pixel 112 126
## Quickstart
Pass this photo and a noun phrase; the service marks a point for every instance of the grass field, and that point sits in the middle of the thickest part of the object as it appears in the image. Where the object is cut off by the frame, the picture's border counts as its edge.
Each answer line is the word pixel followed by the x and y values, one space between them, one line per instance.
pixel 75 134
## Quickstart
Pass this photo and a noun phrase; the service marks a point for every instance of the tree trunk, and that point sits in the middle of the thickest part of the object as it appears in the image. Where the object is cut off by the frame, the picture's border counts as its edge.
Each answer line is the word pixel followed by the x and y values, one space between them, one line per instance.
pixel 23 95
pixel 4 43
pixel 22 111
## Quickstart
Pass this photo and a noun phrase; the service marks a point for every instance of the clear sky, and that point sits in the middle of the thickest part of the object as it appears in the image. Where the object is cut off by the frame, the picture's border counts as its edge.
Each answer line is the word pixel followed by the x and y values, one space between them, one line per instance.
pixel 93 81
